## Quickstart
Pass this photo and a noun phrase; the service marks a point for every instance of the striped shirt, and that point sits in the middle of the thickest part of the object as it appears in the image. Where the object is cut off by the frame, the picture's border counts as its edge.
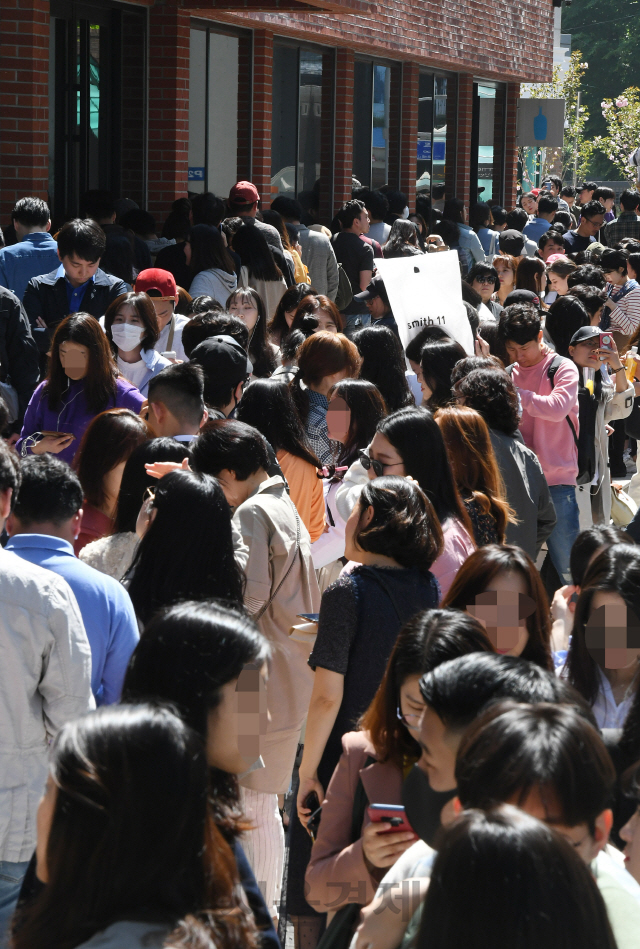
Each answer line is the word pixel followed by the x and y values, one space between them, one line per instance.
pixel 625 315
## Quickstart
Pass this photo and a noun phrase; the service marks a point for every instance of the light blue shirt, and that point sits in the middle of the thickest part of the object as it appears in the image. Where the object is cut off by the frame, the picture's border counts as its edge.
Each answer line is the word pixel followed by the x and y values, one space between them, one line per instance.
pixel 536 228
pixel 470 245
pixel 37 254
pixel 105 606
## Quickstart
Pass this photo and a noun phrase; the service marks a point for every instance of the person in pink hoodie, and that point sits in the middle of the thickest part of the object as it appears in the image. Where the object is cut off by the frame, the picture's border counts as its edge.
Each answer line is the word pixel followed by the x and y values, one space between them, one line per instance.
pixel 549 424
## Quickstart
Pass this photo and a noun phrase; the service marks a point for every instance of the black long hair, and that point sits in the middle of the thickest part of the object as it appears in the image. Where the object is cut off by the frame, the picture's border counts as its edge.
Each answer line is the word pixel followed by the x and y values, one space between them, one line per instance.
pixel 290 300
pixel 267 404
pixel 615 570
pixel 132 836
pixel 254 252
pixel 383 363
pixel 261 353
pixel 135 479
pixel 367 408
pixel 194 519
pixel 208 250
pixel 209 644
pixel 477 900
pixel 437 359
pixel 99 383
pixel 415 435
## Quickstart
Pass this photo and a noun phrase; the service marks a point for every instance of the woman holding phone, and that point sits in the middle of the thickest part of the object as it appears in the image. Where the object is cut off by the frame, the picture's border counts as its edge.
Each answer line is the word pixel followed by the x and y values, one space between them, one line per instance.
pixel 379 754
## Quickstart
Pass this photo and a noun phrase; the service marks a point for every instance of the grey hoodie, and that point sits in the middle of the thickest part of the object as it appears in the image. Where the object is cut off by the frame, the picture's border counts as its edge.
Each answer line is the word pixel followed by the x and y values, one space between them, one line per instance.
pixel 214 283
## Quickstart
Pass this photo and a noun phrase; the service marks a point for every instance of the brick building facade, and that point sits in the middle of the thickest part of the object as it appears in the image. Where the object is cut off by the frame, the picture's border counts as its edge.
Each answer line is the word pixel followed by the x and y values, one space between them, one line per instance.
pixel 153 101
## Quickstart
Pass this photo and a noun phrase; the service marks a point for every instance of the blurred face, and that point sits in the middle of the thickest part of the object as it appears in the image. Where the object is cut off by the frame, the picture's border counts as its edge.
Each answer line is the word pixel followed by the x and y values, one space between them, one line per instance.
pixel 529 354
pixel 616 277
pixel 530 205
pixel 586 354
pixel 236 728
pixel 552 247
pixel 485 286
pixel 545 807
pixel 591 225
pixel 127 314
pixel 44 819
pixel 612 633
pixel 74 359
pixel 246 309
pixel 439 749
pixel 505 275
pixel 558 283
pixel 630 833
pixel 503 609
pixel 164 311
pixel 376 307
pixel 78 270
pixel 326 322
pixel 382 451
pixel 338 419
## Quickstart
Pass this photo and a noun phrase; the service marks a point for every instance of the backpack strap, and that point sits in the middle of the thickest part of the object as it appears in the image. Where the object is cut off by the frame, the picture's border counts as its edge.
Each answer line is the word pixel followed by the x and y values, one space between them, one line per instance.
pixel 553 367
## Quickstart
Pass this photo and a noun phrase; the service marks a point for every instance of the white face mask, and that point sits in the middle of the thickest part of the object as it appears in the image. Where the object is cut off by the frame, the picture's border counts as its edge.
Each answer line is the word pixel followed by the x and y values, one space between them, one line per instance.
pixel 405 213
pixel 126 336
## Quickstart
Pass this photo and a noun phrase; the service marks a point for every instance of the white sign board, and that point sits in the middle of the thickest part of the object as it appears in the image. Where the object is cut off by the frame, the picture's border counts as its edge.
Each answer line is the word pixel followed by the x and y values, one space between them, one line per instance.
pixel 425 291
pixel 541 122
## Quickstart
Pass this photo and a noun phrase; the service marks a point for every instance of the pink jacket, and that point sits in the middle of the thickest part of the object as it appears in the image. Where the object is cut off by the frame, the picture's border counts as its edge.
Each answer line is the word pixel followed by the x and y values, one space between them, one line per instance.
pixel 337 873
pixel 457 547
pixel 543 426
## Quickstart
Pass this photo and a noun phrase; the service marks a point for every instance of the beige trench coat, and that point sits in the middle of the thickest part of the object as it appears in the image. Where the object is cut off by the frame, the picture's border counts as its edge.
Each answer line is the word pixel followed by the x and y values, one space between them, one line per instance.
pixel 267 523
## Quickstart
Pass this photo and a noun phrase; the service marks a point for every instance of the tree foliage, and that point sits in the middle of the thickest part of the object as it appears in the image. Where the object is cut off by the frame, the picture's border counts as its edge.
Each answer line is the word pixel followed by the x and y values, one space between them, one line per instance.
pixel 622 118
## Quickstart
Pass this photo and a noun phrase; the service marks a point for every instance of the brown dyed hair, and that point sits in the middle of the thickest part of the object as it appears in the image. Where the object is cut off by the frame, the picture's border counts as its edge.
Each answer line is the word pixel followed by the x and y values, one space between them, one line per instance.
pixel 478 571
pixel 108 441
pixel 511 262
pixel 322 354
pixel 528 269
pixel 310 305
pixel 100 381
pixel 145 311
pixel 474 464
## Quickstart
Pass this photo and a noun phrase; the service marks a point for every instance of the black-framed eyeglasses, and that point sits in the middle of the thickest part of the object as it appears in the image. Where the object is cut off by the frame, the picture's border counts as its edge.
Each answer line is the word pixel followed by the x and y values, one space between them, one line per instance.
pixel 368 462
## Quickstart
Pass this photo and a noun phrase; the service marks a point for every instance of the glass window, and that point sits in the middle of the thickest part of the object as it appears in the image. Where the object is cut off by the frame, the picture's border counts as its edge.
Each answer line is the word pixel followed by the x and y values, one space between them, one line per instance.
pixel 222 137
pixel 380 123
pixel 432 135
pixel 486 114
pixel 362 122
pixel 310 120
pixel 439 153
pixel 425 125
pixel 284 134
pixel 197 111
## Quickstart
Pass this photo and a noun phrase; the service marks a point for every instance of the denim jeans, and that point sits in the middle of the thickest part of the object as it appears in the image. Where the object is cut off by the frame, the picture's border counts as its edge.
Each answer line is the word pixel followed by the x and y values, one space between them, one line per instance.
pixel 11 876
pixel 567 528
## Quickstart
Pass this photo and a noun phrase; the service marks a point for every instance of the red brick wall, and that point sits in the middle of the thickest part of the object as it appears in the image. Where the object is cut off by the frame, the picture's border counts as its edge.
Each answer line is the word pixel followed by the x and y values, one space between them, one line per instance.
pixel 133 109
pixel 467 35
pixel 511 163
pixel 262 105
pixel 464 113
pixel 343 127
pixel 409 131
pixel 24 93
pixel 168 107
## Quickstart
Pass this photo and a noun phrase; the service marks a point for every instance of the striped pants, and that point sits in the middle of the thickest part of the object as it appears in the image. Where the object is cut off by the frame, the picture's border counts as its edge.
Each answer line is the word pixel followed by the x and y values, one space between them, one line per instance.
pixel 264 845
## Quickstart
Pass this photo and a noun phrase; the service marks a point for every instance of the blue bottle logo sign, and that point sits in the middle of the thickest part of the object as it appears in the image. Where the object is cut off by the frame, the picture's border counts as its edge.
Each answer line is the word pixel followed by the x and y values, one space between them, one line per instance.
pixel 540 126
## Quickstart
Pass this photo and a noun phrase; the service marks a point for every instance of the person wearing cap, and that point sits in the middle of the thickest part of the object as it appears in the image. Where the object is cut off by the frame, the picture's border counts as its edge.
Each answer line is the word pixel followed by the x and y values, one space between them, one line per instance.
pixel 585 192
pixel 512 243
pixel 226 368
pixel 160 285
pixel 605 394
pixel 377 303
pixel 243 203
pixel 77 285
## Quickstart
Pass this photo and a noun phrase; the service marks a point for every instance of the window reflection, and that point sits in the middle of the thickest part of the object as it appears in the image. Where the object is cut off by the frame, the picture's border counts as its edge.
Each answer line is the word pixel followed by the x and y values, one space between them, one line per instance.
pixel 380 129
pixel 432 136
pixel 486 114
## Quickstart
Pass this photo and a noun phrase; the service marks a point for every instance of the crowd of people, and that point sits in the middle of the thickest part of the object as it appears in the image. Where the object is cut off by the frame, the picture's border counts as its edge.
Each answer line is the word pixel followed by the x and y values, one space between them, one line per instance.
pixel 301 627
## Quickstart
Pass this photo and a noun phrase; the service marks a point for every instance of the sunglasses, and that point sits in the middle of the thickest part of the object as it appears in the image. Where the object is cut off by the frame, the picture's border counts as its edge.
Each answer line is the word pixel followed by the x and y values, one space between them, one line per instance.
pixel 368 462
pixel 485 281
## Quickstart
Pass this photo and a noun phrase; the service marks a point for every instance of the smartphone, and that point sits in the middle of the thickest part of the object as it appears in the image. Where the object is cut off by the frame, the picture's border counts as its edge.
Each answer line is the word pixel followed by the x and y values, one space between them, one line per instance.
pixel 312 617
pixel 606 341
pixel 391 814
pixel 169 354
pixel 59 434
pixel 311 801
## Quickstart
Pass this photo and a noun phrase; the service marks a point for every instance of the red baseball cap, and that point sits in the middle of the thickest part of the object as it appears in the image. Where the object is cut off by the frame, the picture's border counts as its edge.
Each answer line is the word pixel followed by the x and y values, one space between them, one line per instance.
pixel 244 192
pixel 161 281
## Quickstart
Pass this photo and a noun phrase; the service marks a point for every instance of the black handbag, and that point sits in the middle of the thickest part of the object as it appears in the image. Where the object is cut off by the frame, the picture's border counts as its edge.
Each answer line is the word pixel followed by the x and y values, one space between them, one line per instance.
pixel 632 421
pixel 340 930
